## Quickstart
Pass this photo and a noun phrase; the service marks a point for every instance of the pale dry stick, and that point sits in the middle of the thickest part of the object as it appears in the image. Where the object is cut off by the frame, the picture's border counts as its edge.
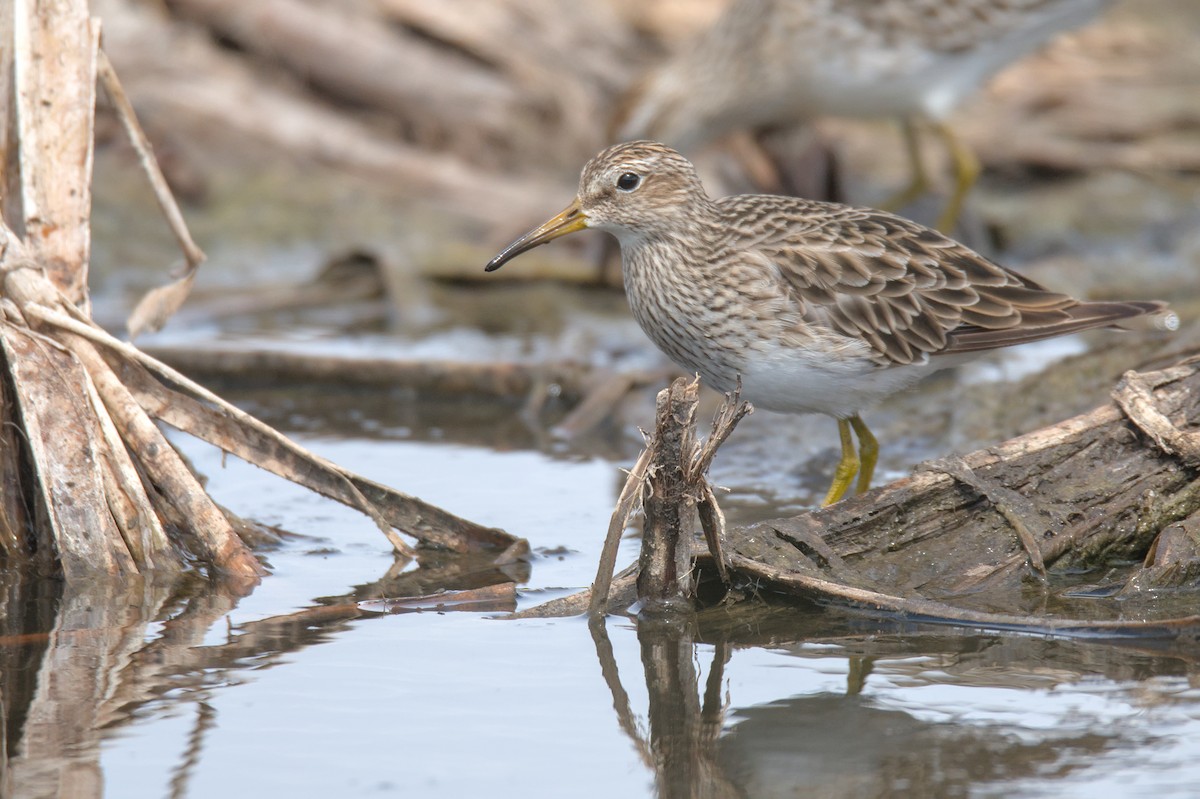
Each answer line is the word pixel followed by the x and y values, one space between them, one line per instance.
pixel 79 533
pixel 145 152
pixel 596 406
pixel 631 492
pixel 428 523
pixel 712 518
pixel 160 303
pixel 130 504
pixel 10 175
pixel 622 594
pixel 1134 395
pixel 731 412
pixel 165 467
pixel 99 336
pixel 495 380
pixel 438 89
pixel 712 522
pixel 928 610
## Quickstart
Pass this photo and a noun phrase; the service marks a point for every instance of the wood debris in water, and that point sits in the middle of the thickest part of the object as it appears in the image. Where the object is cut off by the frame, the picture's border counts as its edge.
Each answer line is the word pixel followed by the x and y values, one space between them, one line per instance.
pixel 988 540
pixel 90 483
pixel 670 482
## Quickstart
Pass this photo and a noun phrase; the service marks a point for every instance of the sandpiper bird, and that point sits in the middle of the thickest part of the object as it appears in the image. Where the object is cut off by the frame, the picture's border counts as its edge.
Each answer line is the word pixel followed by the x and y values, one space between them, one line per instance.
pixel 815 307
pixel 774 62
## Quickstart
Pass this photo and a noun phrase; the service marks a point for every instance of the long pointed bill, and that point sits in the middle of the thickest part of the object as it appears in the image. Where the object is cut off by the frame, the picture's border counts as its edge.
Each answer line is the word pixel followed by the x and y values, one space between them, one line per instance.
pixel 570 220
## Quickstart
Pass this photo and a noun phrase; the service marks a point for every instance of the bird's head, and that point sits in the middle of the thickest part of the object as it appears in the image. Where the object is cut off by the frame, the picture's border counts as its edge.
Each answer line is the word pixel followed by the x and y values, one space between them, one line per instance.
pixel 630 190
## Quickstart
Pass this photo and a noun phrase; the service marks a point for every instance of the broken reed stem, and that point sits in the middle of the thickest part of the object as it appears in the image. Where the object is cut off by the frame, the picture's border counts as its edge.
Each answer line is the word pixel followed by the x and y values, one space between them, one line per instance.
pixel 128 501
pixel 14 516
pixel 161 303
pixel 665 579
pixel 732 411
pixel 141 145
pixel 712 519
pixel 670 479
pixel 630 494
pixel 166 469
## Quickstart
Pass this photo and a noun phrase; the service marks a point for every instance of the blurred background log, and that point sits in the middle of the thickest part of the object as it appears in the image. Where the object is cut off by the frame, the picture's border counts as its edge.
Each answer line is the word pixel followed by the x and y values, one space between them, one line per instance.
pixel 489 107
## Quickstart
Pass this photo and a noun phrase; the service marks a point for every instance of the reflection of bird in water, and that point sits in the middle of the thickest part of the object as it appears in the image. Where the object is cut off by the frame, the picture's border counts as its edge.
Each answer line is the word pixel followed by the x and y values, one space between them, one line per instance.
pixel 767 63
pixel 812 307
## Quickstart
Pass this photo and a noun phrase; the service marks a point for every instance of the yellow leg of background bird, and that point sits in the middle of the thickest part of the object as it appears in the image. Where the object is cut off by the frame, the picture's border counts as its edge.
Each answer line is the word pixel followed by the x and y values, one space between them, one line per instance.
pixel 966 170
pixel 847 467
pixel 918 183
pixel 868 453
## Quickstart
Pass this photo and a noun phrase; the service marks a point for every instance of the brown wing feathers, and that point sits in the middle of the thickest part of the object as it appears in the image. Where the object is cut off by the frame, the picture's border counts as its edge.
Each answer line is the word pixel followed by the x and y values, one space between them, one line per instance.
pixel 910 291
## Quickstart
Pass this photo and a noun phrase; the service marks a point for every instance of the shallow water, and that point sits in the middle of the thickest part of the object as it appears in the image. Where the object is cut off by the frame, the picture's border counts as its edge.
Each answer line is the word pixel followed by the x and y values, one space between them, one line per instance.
pixel 297 690
pixel 781 702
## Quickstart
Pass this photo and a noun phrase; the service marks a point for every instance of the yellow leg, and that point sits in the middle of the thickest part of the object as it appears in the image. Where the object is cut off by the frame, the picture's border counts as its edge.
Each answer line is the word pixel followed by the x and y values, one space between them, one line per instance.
pixel 868 453
pixel 847 467
pixel 918 183
pixel 966 170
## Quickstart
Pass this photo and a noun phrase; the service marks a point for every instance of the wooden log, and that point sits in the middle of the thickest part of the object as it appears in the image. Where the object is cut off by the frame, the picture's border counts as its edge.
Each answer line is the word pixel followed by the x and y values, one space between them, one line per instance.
pixel 1098 489
pixel 959 542
pixel 495 381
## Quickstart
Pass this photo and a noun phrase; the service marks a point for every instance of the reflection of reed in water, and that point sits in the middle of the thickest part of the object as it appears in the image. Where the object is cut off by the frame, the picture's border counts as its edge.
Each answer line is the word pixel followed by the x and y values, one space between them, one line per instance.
pixel 77 663
pixel 683 731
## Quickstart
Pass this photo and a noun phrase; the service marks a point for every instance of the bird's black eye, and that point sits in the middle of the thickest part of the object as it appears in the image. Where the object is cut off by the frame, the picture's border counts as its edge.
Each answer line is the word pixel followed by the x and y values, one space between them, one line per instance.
pixel 628 181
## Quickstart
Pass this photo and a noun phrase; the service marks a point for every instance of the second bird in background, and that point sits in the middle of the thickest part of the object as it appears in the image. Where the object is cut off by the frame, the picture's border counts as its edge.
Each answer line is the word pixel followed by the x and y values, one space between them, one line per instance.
pixel 771 63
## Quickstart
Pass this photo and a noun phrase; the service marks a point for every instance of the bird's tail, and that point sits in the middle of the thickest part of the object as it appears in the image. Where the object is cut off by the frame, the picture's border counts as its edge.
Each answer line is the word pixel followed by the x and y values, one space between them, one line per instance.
pixel 1137 315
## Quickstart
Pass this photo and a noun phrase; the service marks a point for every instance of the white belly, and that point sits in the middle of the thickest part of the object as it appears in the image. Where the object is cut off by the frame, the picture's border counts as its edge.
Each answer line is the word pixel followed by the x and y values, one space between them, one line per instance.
pixel 794 382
